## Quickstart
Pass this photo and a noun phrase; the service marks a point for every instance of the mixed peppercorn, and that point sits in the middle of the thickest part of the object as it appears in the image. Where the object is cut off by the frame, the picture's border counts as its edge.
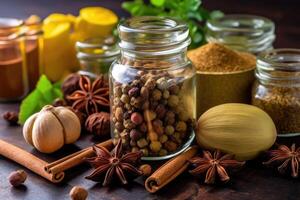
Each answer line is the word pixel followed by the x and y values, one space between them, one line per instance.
pixel 149 115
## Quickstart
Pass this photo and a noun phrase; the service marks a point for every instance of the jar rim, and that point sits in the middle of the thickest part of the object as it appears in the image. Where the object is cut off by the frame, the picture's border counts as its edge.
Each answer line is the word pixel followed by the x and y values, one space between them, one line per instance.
pixel 279 67
pixel 255 23
pixel 284 59
pixel 108 50
pixel 154 35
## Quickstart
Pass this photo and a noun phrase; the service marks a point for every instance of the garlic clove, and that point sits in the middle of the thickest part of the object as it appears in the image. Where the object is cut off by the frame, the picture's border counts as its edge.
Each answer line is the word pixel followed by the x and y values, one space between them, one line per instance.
pixel 70 122
pixel 46 138
pixel 27 128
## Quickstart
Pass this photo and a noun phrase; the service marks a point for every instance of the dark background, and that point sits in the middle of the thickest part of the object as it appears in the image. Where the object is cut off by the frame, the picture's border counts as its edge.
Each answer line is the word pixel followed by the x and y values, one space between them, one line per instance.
pixel 285 13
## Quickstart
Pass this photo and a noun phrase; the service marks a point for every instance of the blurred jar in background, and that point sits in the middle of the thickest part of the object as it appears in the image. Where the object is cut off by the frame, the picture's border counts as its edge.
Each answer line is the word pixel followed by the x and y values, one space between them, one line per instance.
pixel 19 51
pixel 96 55
pixel 253 34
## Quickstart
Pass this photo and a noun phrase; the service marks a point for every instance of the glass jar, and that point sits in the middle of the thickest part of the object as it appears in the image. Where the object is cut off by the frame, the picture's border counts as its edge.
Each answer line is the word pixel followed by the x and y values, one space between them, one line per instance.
pixel 32 30
pixel 13 73
pixel 96 55
pixel 277 89
pixel 249 33
pixel 152 88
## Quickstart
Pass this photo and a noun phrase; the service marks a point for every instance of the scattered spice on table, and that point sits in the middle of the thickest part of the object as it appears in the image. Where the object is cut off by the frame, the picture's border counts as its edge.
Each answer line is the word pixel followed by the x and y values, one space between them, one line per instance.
pixel 214 165
pixel 114 165
pixel 78 193
pixel 214 57
pixel 287 159
pixel 17 178
pixel 11 117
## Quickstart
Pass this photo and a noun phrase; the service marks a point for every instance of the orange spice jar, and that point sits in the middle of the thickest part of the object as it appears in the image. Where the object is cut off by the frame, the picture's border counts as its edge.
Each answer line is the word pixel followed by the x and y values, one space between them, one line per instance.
pixel 18 52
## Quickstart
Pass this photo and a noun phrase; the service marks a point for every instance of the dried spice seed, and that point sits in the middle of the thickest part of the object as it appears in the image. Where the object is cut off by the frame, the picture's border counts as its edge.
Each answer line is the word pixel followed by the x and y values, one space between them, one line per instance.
pixel 98 124
pixel 11 117
pixel 282 104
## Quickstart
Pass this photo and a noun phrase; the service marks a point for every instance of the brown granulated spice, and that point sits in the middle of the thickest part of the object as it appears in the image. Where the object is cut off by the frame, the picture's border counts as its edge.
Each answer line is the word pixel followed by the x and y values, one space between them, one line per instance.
pixel 214 57
pixel 283 106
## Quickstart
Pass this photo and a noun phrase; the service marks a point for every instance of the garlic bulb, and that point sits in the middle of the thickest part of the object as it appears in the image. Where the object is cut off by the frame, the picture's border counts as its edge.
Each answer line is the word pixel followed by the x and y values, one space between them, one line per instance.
pixel 51 128
pixel 239 129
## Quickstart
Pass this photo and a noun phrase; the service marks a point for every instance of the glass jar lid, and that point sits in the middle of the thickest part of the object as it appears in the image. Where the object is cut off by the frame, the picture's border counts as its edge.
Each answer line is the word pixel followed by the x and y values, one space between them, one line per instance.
pixel 97 48
pixel 153 34
pixel 242 32
pixel 279 67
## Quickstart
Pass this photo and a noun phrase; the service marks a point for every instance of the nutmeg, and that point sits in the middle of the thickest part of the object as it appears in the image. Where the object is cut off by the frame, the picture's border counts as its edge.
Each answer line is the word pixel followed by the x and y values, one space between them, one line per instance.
pixel 70 84
pixel 17 178
pixel 78 193
pixel 98 124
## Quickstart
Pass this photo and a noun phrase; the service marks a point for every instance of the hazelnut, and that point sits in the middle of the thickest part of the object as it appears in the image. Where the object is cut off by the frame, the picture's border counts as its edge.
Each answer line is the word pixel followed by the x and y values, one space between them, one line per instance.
pixel 17 178
pixel 78 193
pixel 146 169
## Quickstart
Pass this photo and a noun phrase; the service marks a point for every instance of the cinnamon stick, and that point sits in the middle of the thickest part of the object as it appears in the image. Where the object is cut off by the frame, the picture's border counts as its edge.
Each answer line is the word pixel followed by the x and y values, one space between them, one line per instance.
pixel 74 159
pixel 169 171
pixel 29 161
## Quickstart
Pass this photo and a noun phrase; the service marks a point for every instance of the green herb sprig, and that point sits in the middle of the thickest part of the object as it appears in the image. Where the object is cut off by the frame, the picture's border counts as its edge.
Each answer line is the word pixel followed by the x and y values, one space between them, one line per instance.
pixel 44 93
pixel 190 11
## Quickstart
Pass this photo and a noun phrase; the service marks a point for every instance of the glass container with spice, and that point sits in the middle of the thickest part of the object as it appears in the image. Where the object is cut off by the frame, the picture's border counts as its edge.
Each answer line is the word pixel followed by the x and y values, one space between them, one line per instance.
pixel 153 88
pixel 277 89
pixel 95 55
pixel 248 33
pixel 19 57
pixel 13 74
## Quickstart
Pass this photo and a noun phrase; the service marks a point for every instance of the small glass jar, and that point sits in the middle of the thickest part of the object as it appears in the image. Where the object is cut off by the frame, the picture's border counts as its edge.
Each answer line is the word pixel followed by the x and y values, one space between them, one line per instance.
pixel 277 89
pixel 152 88
pixel 249 33
pixel 13 73
pixel 95 55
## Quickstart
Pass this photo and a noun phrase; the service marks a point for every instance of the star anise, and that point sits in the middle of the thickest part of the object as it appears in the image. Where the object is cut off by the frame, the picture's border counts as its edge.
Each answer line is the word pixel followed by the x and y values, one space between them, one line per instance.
pixel 287 159
pixel 114 165
pixel 92 97
pixel 214 165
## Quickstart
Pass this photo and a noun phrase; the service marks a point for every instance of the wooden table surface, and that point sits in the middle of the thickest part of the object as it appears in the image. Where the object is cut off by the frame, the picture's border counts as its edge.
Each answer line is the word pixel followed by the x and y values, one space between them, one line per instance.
pixel 253 182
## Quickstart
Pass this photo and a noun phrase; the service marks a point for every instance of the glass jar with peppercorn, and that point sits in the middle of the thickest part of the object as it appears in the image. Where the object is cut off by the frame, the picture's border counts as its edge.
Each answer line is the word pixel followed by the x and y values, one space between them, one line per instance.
pixel 153 88
pixel 277 89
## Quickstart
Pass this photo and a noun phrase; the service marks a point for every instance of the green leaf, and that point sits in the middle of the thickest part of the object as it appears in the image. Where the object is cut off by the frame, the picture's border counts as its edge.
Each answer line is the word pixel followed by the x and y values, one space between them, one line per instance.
pixel 157 3
pixel 44 93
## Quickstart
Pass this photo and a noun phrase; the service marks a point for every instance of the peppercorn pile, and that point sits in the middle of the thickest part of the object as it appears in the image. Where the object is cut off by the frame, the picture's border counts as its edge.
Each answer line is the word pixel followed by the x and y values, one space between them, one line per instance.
pixel 149 114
